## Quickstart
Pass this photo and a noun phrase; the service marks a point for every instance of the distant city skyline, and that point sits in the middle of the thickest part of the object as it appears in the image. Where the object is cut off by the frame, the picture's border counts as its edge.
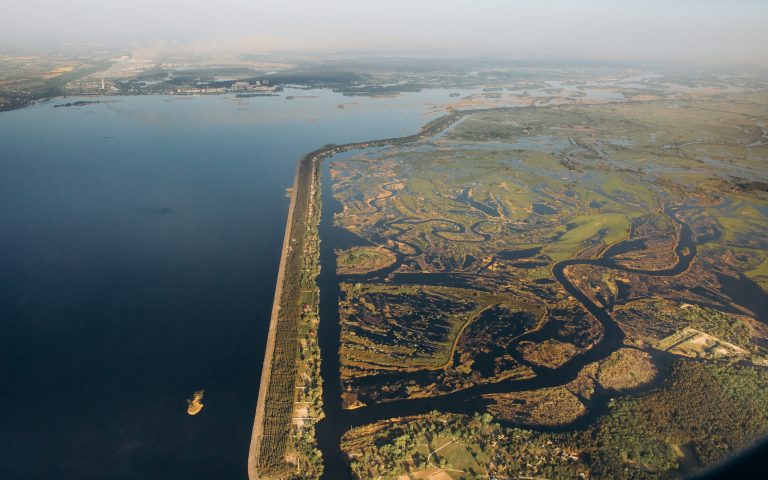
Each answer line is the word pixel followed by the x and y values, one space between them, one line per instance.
pixel 689 31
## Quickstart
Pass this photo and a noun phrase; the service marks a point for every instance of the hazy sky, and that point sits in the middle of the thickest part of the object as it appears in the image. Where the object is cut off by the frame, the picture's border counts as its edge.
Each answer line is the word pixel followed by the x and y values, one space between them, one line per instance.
pixel 670 30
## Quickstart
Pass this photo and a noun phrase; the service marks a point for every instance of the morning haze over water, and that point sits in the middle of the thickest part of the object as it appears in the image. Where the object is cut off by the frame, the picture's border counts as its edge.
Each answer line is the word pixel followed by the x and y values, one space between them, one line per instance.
pixel 448 240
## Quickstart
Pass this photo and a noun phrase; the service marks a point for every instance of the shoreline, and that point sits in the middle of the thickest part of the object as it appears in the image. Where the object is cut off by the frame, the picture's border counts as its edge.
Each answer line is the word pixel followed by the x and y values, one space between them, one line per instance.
pixel 258 423
pixel 301 190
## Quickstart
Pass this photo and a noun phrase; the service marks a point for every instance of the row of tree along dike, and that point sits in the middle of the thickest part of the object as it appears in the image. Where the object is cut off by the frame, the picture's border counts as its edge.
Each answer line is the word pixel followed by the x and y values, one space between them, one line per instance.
pixel 283 441
pixel 283 444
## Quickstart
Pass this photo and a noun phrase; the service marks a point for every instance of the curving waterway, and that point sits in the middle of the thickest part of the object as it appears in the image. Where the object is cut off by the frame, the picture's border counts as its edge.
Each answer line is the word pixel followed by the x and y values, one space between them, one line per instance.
pixel 338 420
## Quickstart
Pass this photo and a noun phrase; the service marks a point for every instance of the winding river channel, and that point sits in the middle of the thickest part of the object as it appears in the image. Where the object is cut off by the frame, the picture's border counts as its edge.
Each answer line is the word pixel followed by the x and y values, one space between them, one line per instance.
pixel 338 420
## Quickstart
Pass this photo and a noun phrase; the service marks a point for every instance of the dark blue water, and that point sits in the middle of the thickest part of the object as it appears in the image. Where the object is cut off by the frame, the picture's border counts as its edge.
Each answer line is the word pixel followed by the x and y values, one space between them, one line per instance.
pixel 139 245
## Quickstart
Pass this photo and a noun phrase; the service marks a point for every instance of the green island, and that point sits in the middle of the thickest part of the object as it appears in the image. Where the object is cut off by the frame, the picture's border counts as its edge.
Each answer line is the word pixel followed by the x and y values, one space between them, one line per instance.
pixel 363 260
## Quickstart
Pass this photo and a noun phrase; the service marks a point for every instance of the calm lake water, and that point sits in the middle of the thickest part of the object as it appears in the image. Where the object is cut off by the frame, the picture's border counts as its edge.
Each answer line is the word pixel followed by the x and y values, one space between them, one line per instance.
pixel 139 243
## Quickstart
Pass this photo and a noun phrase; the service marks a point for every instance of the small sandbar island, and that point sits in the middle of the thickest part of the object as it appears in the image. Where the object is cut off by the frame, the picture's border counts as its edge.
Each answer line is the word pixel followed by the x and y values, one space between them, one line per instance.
pixel 195 405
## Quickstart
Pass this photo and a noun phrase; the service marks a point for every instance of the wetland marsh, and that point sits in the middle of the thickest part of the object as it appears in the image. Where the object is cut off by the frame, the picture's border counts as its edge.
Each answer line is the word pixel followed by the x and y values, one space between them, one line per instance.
pixel 536 250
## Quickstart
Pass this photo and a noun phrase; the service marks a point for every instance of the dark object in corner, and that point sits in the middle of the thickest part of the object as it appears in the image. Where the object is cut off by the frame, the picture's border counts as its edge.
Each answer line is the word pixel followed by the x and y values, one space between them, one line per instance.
pixel 750 464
